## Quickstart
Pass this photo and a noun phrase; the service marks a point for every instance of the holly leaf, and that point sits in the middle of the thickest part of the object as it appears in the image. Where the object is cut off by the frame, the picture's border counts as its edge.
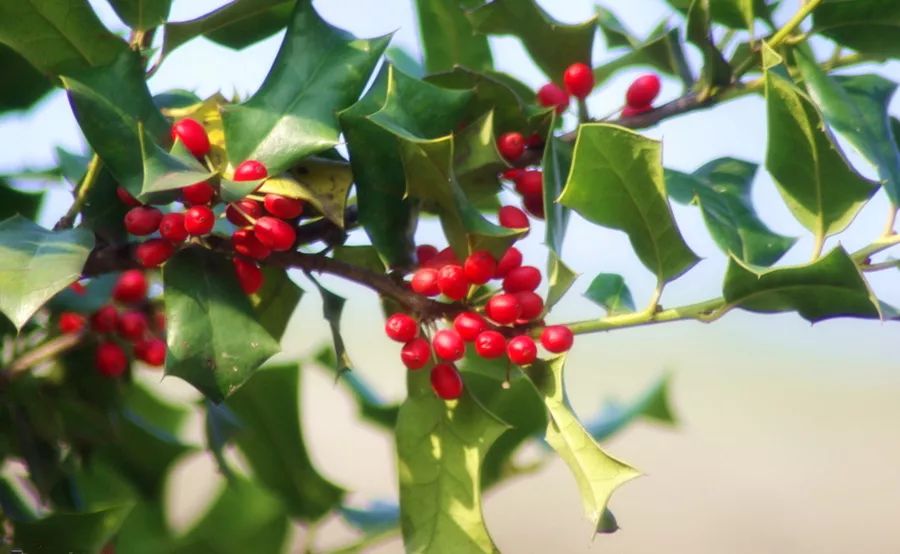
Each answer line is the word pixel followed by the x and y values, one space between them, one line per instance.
pixel 722 191
pixel 440 448
pixel 103 212
pixel 737 14
pixel 286 120
pixel 560 278
pixel 142 14
pixel 617 181
pixel 609 291
pixel 332 310
pixel 201 292
pixel 856 107
pixel 321 182
pixel 58 36
pixel 867 26
pixel 13 202
pixel 556 163
pixel 716 71
pixel 597 473
pixel 164 171
pixel 448 39
pixel 552 45
pixel 237 24
pixel 271 439
pixel 830 287
pixel 370 405
pixel 821 189
pixel 35 264
pixel 613 29
pixel 662 51
pixel 652 404
pixel 71 531
pixel 477 162
pixel 275 302
pixel 29 86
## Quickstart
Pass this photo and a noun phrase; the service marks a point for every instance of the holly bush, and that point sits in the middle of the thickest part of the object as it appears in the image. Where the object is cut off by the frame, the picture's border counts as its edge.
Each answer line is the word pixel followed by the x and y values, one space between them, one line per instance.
pixel 192 218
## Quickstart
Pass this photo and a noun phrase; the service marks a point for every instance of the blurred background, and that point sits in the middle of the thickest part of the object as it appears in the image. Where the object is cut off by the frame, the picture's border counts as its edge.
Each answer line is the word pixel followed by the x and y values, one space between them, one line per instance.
pixel 788 437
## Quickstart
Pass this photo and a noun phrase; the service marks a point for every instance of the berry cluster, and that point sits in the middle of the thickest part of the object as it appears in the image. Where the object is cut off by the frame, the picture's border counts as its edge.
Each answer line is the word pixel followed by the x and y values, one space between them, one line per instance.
pixel 129 323
pixel 496 327
pixel 265 223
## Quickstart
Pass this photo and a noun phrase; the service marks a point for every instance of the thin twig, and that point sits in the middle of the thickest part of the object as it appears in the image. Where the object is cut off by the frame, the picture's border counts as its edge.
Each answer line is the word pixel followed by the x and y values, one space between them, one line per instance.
pixel 81 194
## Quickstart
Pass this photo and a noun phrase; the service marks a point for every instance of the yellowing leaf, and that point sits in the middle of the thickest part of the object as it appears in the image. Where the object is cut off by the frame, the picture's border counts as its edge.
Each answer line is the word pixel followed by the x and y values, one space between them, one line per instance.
pixel 323 183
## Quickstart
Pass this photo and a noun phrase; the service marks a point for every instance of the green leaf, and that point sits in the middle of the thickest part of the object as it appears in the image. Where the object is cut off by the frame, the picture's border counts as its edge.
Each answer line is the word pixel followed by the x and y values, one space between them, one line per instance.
pixel 477 162
pixel 737 14
pixel 76 532
pixel 164 171
pixel 202 292
pixel 142 14
pixel 35 264
pixel 103 212
pixel 271 439
pixel 111 104
pixel 560 279
pixel 371 407
pixel 29 86
pixel 617 181
pixel 237 24
pixel 13 202
pixel 440 449
pixel 274 303
pixel 722 190
pixel 857 108
pixel 552 45
pixel 287 119
pixel 597 473
pixel 556 163
pixel 321 182
pixel 448 38
pixel 868 26
pixel 404 61
pixel 613 29
pixel 58 36
pixel 716 71
pixel 821 189
pixel 653 404
pixel 609 291
pixel 661 51
pixel 145 531
pixel 830 287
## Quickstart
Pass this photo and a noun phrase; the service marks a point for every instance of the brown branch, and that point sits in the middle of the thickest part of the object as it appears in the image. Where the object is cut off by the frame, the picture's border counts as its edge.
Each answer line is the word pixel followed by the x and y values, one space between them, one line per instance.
pixel 45 351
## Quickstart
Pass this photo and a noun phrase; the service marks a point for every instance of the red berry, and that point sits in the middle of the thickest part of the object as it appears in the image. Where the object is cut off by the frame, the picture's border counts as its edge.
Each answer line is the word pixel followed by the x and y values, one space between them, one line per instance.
pixel 525 278
pixel 110 360
pixel 448 345
pixel 159 322
pixel 275 233
pixel 415 354
pixel 643 91
pixel 490 344
pixel 401 327
pixel 250 170
pixel 629 111
pixel 513 218
pixel 126 198
pixel 425 281
pixel 151 351
pixel 551 95
pixel 78 288
pixel 250 208
pixel 199 220
pixel 511 146
pixel 521 350
pixel 452 281
pixel 282 206
pixel 510 260
pixel 198 193
pixel 469 325
pixel 532 305
pixel 425 252
pixel 557 338
pixel 534 141
pixel 530 182
pixel 131 286
pixel 579 79
pixel 70 322
pixel 245 243
pixel 513 173
pixel 172 228
pixel 479 267
pixel 534 204
pixel 105 319
pixel 444 257
pixel 249 275
pixel 132 325
pixel 192 135
pixel 446 382
pixel 142 220
pixel 503 308
pixel 153 252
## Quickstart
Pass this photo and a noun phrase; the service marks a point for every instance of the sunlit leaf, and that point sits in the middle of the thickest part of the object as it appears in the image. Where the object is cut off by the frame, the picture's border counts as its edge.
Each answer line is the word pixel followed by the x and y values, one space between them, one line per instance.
pixel 237 24
pixel 868 26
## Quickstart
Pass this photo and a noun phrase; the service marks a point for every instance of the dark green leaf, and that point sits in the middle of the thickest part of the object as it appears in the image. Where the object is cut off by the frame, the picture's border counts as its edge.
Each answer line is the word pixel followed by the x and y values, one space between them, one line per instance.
pixel 275 302
pixel 142 14
pixel 597 473
pixel 868 26
pixel 477 162
pixel 721 188
pixel 737 14
pixel 35 264
pixel 202 292
pixel 857 108
pixel 616 181
pixel 662 52
pixel 29 86
pixel 236 25
pixel 613 29
pixel 176 99
pixel 76 532
pixel 221 426
pixel 332 309
pixel 610 292
pixel 404 61
pixel 58 36
pixel 556 163
pixel 371 406
pixel 164 171
pixel 287 119
pixel 13 202
pixel 553 46
pixel 448 38
pixel 559 278
pixel 830 287
pixel 145 531
pixel 271 439
pixel 821 189
pixel 653 404
pixel 716 71
pixel 103 212
pixel 363 256
pixel 16 506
